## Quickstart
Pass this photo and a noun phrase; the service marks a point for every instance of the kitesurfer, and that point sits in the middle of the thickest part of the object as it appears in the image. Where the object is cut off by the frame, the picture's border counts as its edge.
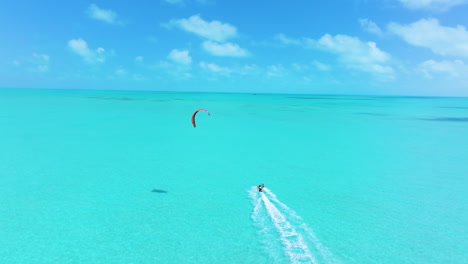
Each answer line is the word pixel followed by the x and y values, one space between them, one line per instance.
pixel 260 187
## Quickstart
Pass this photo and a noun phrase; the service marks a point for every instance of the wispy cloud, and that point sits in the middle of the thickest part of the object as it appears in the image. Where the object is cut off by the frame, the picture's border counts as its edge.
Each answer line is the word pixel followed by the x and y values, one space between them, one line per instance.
pixel 428 33
pixel 80 47
pixel 41 62
pixel 287 40
pixel 184 2
pixel 304 42
pixel 105 15
pixel 224 49
pixel 215 68
pixel 152 39
pixel 370 26
pixel 139 59
pixel 277 70
pixel 454 68
pixel 36 63
pixel 321 66
pixel 214 30
pixel 436 5
pixel 180 56
pixel 175 2
pixel 120 71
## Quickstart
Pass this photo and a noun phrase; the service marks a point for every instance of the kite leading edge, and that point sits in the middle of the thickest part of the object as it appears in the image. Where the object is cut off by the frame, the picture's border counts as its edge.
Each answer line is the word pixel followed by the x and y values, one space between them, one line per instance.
pixel 195 113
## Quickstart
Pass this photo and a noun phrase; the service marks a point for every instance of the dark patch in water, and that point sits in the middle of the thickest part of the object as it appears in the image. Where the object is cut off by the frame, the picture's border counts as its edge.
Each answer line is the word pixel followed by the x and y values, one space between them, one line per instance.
pixel 447 119
pixel 454 107
pixel 330 98
pixel 115 98
pixel 371 114
pixel 132 99
pixel 158 191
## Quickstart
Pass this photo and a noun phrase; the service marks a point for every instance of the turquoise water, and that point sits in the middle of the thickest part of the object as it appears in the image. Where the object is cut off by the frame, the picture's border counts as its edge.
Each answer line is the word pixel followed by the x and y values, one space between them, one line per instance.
pixel 123 177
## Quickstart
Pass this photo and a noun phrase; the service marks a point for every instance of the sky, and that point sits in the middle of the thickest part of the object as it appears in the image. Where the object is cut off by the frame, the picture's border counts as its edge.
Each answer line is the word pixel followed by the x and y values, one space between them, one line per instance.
pixel 366 47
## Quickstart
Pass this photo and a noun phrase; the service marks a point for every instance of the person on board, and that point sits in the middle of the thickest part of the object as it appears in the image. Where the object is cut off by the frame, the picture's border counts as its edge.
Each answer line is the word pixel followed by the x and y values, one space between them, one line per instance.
pixel 260 187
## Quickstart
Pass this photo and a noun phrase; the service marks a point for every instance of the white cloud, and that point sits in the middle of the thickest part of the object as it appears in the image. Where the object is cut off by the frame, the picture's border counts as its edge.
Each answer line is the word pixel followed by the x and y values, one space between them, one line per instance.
pixel 213 30
pixel 175 2
pixel 120 71
pixel 152 39
pixel 41 62
pixel 183 2
pixel 440 5
pixel 214 68
pixel 287 40
pixel 104 15
pixel 304 42
pixel 180 56
pixel 430 34
pixel 276 70
pixel 139 59
pixel 138 77
pixel 365 56
pixel 225 49
pixel 452 68
pixel 80 47
pixel 41 57
pixel 353 52
pixel 370 26
pixel 321 66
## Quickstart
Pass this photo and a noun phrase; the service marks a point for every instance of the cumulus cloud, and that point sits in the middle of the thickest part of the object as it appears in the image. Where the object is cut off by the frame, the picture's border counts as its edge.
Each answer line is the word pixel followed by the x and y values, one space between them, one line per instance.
pixel 428 33
pixel 224 49
pixel 104 15
pixel 214 30
pixel 452 68
pixel 370 26
pixel 440 5
pixel 365 56
pixel 80 47
pixel 353 52
pixel 180 56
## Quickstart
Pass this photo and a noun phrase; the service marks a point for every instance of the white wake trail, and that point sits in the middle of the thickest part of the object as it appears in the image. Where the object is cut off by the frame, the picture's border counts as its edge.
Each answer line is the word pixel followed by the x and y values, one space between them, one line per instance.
pixel 282 230
pixel 271 221
pixel 294 244
pixel 309 234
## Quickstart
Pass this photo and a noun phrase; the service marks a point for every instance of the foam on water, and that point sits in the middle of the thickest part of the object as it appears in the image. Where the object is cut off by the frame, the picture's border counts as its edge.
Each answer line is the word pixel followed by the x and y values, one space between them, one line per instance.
pixel 273 216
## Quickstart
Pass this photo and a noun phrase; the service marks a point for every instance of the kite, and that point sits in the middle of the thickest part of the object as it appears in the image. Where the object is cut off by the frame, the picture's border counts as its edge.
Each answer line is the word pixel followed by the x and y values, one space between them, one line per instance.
pixel 195 113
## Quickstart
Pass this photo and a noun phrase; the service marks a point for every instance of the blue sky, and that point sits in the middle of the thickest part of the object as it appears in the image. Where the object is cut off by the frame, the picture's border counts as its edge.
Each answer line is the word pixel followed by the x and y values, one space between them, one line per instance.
pixel 388 47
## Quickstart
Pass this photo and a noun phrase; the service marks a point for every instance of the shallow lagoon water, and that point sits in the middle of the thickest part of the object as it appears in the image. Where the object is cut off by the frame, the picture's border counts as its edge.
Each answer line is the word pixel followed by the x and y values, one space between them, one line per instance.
pixel 123 177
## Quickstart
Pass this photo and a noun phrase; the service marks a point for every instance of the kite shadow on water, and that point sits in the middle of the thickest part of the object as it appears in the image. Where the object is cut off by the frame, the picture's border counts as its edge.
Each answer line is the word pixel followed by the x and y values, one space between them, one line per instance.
pixel 159 191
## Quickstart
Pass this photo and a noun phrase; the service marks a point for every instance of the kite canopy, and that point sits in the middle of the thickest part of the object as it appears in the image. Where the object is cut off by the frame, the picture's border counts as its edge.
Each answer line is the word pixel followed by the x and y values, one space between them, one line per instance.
pixel 195 113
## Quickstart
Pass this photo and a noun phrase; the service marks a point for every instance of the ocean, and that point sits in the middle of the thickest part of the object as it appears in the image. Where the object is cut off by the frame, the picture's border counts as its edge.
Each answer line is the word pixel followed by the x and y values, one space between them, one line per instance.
pixel 123 177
